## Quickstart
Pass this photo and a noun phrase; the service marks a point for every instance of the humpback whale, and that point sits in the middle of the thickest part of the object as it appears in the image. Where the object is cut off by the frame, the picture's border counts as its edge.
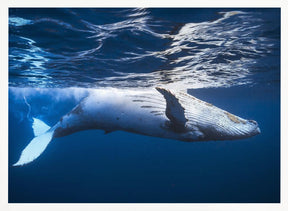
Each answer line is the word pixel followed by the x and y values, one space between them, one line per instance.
pixel 158 112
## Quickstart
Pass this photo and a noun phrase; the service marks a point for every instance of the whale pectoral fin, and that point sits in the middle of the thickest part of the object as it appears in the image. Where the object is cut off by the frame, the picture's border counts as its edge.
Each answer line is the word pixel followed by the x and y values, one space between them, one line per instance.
pixel 174 109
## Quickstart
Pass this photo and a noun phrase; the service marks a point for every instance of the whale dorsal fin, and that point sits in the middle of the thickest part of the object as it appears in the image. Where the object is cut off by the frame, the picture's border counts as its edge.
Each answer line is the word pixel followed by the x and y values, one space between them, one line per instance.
pixel 174 109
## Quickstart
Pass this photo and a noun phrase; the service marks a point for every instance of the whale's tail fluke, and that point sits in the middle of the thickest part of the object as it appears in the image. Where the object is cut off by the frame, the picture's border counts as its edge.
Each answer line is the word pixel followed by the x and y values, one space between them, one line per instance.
pixel 43 135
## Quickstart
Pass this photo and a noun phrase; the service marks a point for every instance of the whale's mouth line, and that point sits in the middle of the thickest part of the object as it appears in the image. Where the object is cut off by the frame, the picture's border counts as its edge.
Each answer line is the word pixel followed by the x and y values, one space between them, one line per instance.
pixel 254 132
pixel 233 133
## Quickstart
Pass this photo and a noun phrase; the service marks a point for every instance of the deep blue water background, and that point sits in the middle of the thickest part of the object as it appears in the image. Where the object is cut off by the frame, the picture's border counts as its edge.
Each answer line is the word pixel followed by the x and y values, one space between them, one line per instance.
pixel 228 57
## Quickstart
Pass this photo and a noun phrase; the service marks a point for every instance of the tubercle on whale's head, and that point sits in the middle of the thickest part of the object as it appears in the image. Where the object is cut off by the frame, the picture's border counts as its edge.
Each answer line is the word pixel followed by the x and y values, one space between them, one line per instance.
pixel 255 128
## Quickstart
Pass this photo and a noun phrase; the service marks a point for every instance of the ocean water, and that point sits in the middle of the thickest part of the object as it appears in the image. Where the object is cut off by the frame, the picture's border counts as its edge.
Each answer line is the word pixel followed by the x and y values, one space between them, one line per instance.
pixel 228 57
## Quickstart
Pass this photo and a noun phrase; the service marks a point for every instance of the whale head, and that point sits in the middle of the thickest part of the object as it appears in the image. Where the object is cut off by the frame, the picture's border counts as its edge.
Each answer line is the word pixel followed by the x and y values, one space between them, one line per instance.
pixel 238 129
pixel 221 129
pixel 227 127
pixel 198 120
